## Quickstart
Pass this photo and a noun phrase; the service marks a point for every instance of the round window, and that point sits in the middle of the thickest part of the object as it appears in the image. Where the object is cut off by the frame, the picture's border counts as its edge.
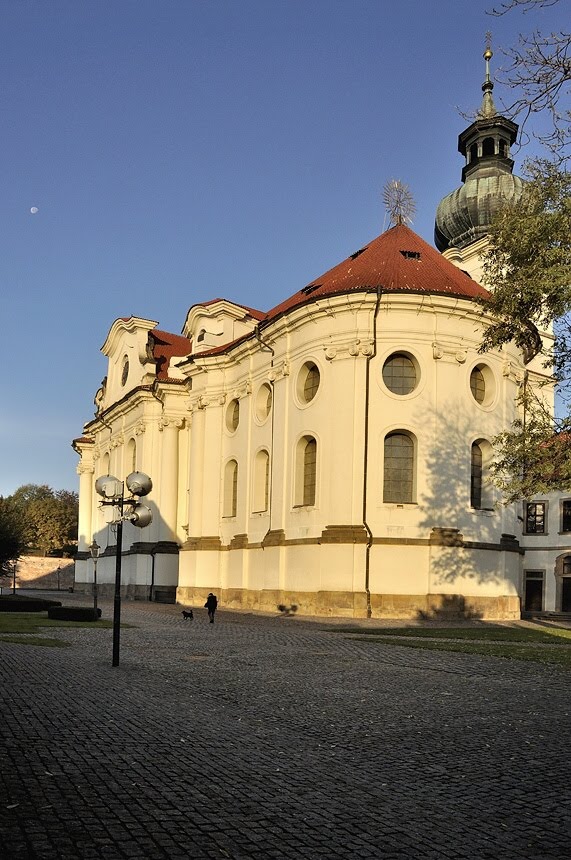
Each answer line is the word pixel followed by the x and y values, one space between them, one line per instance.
pixel 308 382
pixel 399 373
pixel 263 402
pixel 233 415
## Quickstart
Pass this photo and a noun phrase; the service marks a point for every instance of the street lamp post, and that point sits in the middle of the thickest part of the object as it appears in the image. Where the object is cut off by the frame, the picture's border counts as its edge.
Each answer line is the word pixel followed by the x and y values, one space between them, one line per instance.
pixel 113 492
pixel 94 550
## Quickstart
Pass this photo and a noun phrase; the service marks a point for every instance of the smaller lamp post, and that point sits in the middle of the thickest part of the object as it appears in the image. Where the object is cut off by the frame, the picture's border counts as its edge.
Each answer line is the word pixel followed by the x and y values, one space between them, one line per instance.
pixel 94 550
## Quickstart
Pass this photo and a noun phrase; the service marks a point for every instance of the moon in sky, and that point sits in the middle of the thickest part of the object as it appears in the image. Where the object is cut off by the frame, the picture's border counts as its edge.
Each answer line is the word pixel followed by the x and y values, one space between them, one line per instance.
pixel 33 210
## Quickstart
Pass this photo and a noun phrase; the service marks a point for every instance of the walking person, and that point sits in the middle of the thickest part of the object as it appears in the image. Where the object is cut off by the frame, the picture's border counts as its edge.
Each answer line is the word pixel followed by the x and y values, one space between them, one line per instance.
pixel 211 604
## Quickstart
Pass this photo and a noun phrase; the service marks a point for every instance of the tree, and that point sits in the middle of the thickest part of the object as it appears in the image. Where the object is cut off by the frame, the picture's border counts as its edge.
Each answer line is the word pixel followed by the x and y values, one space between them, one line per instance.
pixel 48 517
pixel 54 521
pixel 528 264
pixel 12 538
pixel 539 73
pixel 528 268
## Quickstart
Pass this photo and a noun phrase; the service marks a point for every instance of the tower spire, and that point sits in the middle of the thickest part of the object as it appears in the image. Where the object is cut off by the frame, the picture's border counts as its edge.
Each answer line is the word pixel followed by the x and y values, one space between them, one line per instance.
pixel 488 108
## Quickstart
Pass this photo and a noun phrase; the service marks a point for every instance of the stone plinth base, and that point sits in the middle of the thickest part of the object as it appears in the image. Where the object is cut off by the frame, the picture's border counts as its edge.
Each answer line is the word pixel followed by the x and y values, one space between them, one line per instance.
pixel 445 607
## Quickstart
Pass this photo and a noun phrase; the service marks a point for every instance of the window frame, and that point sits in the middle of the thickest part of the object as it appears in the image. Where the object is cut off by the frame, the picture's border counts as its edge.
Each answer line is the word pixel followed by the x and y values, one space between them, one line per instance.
pixel 400 498
pixel 305 491
pixel 230 489
pixel 392 356
pixel 563 515
pixel 261 488
pixel 526 517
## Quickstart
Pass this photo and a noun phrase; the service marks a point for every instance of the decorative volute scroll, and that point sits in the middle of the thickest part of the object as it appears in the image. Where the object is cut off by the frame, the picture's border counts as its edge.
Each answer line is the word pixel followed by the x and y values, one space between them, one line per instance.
pixel 172 421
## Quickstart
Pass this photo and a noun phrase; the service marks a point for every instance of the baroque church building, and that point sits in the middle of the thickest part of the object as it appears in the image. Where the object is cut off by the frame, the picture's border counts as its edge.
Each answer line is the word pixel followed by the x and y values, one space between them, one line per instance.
pixel 332 453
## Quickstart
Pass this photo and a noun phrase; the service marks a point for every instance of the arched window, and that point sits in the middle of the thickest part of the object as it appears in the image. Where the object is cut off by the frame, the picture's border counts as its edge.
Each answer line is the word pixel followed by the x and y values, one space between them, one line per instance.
pixel 261 482
pixel 306 471
pixel 476 474
pixel 481 490
pixel 131 458
pixel 230 489
pixel 488 146
pixel 503 149
pixel 398 479
pixel 105 461
pixel 309 472
pixel 473 152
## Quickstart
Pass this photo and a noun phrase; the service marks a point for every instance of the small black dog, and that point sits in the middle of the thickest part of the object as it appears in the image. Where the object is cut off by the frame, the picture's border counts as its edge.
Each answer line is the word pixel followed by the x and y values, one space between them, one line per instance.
pixel 188 616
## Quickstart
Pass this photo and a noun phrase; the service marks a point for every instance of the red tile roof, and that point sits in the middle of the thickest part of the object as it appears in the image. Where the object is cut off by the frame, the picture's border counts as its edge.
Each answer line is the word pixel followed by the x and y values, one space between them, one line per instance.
pixel 258 315
pixel 166 345
pixel 398 261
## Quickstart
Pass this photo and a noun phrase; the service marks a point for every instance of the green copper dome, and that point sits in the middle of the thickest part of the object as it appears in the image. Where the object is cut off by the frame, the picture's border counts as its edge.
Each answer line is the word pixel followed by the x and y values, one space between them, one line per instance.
pixel 465 215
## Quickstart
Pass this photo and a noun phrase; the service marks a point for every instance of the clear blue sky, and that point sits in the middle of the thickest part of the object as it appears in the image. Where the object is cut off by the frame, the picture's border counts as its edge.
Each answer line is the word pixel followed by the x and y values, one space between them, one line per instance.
pixel 179 150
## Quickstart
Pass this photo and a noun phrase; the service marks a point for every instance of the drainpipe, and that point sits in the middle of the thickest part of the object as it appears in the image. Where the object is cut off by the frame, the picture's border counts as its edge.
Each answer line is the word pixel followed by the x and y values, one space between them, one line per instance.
pixel 366 454
pixel 266 345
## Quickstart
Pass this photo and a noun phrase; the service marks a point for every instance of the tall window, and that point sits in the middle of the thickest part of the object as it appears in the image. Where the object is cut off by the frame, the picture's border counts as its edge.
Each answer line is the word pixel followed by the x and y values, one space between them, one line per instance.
pixel 309 472
pixel 476 475
pixel 398 479
pixel 261 482
pixel 535 521
pixel 306 471
pixel 566 515
pixel 230 489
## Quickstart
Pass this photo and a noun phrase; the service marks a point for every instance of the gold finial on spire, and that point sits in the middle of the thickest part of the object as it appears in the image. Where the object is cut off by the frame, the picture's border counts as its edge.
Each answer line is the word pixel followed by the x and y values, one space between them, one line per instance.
pixel 488 44
pixel 488 107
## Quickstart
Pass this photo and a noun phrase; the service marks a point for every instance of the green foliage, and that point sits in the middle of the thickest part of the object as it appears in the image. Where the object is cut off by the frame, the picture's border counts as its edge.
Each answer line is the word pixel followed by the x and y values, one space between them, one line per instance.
pixel 528 269
pixel 17 603
pixel 48 518
pixel 12 535
pixel 74 613
pixel 528 264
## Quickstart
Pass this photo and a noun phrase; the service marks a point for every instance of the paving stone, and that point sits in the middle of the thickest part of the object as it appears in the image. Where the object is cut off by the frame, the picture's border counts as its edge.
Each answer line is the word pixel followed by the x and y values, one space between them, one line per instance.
pixel 261 739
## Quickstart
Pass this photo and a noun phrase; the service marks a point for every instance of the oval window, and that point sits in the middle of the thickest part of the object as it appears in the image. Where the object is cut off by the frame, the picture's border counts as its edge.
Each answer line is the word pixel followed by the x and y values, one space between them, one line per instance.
pixel 263 402
pixel 399 373
pixel 482 385
pixel 308 382
pixel 233 415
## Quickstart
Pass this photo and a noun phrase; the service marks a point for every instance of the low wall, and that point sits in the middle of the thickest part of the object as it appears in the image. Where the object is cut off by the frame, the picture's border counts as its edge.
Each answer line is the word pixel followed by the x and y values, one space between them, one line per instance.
pixel 42 573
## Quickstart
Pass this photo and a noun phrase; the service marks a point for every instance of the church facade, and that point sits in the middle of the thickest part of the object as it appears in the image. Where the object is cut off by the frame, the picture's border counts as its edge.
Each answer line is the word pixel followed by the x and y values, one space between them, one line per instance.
pixel 330 454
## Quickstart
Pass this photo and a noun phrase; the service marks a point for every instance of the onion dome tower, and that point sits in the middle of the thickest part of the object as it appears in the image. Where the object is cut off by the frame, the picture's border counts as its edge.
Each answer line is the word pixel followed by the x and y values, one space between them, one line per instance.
pixel 463 217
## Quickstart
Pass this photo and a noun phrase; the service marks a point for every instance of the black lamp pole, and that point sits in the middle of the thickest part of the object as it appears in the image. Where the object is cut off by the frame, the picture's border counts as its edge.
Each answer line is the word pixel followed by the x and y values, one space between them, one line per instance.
pixel 117 598
pixel 140 515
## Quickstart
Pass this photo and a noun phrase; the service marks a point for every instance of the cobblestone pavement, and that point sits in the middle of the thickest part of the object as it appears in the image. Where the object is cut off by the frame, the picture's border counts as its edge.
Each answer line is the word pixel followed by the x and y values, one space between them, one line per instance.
pixel 275 737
